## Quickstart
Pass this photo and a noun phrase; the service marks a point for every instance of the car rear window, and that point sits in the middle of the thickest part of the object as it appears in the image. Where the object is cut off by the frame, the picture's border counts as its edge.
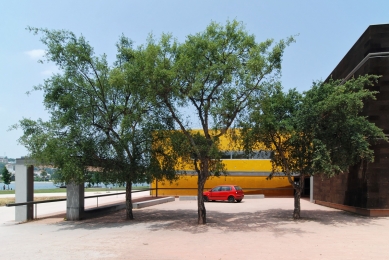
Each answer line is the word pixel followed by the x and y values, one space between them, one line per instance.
pixel 238 188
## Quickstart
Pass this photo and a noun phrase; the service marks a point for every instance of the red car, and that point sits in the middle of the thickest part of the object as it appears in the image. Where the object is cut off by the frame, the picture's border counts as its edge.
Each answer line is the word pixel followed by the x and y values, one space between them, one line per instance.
pixel 224 192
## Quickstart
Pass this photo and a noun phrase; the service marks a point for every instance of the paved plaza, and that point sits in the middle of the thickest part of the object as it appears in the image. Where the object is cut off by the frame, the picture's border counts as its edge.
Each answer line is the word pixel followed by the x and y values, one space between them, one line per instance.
pixel 252 229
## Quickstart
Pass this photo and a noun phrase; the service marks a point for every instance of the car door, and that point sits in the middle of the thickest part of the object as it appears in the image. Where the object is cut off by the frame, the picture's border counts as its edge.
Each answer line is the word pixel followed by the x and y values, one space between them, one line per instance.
pixel 225 191
pixel 214 194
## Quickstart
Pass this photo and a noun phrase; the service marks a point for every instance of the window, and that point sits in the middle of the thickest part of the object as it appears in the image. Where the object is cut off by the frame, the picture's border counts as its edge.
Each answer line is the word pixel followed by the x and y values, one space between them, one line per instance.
pixel 239 155
pixel 226 155
pixel 216 188
pixel 262 154
pixel 226 188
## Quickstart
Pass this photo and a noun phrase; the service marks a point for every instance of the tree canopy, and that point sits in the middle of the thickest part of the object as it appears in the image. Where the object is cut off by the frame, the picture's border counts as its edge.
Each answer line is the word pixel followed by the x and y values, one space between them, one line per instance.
pixel 213 75
pixel 321 131
pixel 100 116
pixel 167 103
pixel 6 176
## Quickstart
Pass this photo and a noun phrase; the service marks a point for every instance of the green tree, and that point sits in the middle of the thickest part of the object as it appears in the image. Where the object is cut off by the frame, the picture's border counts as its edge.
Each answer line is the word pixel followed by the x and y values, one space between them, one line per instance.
pixel 96 178
pixel 6 176
pixel 212 76
pixel 100 117
pixel 2 165
pixel 55 177
pixel 44 175
pixel 321 131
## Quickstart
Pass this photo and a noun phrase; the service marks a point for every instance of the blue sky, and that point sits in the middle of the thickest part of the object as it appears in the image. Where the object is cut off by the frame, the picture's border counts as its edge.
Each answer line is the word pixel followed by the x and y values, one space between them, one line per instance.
pixel 327 30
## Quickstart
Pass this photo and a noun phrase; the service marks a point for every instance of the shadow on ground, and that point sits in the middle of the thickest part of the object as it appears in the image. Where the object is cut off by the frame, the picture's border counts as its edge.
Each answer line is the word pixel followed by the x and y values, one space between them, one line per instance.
pixel 277 221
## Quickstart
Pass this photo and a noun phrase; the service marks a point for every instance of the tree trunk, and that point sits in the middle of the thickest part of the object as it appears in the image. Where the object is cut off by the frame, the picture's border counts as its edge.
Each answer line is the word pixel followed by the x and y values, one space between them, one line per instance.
pixel 129 214
pixel 201 211
pixel 202 178
pixel 296 211
pixel 298 190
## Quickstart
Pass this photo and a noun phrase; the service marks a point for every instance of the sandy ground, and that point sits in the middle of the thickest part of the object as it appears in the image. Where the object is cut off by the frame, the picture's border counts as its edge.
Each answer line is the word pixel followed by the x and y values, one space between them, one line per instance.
pixel 252 229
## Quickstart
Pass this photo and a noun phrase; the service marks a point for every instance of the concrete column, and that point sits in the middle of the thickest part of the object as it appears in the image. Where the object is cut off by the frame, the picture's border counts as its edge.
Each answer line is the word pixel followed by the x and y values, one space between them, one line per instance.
pixel 24 190
pixel 75 201
pixel 311 189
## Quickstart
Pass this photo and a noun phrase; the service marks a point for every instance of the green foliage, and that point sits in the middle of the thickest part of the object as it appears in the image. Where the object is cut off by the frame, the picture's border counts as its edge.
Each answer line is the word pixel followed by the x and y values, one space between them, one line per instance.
pixel 101 122
pixel 321 131
pixel 2 165
pixel 215 73
pixel 343 136
pixel 6 176
pixel 117 120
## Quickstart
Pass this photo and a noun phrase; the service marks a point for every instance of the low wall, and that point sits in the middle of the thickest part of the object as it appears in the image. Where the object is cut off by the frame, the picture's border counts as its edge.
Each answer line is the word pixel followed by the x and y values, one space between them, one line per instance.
pixel 95 212
pixel 259 196
pixel 356 210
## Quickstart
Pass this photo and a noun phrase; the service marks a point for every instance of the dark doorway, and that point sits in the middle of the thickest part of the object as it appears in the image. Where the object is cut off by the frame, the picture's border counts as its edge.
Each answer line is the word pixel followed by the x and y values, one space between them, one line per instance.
pixel 307 186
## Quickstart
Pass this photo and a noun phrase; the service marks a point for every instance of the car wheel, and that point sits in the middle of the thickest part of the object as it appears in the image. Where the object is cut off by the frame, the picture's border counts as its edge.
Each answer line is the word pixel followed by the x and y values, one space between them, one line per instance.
pixel 206 199
pixel 238 200
pixel 231 199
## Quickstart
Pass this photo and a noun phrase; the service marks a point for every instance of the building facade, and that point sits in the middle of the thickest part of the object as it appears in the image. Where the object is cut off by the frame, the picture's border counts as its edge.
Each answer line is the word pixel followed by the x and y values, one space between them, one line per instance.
pixel 365 188
pixel 249 173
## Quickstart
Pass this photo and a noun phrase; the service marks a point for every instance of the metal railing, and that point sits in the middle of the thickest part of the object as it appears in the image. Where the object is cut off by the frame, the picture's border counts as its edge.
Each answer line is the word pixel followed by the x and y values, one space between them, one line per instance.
pixel 363 61
pixel 35 203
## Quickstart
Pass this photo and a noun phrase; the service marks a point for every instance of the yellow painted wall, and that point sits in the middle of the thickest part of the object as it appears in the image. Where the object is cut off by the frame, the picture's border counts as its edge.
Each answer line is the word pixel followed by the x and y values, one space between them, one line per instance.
pixel 245 165
pixel 187 184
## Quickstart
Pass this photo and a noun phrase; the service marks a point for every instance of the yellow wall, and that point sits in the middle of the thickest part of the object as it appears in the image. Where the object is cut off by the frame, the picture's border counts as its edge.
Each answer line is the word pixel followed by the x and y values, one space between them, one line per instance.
pixel 246 165
pixel 187 184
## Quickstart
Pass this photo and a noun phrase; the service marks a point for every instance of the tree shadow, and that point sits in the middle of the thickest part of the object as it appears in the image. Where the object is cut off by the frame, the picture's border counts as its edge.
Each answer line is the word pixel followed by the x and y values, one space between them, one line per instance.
pixel 277 221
